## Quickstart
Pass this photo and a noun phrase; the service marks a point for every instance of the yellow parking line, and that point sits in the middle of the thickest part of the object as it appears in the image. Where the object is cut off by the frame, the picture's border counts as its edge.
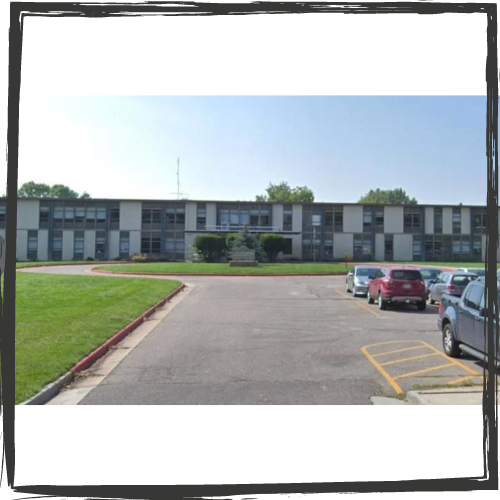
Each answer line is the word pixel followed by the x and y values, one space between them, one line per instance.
pixel 398 350
pixel 408 359
pixel 452 360
pixel 389 379
pixel 427 370
pixel 364 306
pixel 463 379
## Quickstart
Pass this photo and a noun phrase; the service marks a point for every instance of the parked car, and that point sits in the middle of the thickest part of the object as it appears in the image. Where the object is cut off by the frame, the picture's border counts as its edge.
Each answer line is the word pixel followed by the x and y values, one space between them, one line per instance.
pixel 453 283
pixel 480 271
pixel 461 322
pixel 429 274
pixel 357 279
pixel 397 285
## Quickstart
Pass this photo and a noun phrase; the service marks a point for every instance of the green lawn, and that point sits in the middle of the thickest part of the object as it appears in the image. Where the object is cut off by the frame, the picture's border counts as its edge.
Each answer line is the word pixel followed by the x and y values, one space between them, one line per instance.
pixel 61 319
pixel 202 268
pixel 271 269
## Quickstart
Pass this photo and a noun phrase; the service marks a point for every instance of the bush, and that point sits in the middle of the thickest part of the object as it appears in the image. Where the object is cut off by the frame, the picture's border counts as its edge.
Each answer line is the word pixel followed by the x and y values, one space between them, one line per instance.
pixel 272 244
pixel 250 241
pixel 90 258
pixel 209 247
pixel 138 257
pixel 229 241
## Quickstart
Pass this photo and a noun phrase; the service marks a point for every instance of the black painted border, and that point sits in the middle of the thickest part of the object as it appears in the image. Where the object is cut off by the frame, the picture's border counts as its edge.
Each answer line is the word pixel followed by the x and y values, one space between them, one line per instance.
pixel 19 10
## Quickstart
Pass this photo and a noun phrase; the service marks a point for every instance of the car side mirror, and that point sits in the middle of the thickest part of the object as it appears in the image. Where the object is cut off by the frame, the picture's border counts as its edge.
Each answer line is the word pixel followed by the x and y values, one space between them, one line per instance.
pixel 371 277
pixel 431 282
pixel 482 312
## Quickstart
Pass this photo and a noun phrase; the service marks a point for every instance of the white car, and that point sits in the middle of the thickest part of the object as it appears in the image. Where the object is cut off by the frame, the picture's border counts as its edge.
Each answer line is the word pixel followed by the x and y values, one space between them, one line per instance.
pixel 357 279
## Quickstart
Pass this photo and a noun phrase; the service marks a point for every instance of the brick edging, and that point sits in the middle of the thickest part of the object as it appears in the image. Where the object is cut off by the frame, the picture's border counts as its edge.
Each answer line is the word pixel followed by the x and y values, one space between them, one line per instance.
pixel 117 337
pixel 90 263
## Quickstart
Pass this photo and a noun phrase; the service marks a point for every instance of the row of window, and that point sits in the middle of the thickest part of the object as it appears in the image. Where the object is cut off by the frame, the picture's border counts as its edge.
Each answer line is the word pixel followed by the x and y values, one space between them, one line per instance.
pixel 82 216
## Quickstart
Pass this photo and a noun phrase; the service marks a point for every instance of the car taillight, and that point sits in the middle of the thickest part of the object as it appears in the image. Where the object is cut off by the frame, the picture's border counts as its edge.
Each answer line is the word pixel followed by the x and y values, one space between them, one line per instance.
pixel 422 283
pixel 389 282
pixel 451 288
pixel 440 310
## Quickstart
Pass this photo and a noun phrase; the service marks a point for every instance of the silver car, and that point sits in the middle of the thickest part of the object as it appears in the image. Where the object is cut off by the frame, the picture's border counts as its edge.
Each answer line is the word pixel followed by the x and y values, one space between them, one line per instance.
pixel 357 279
pixel 453 283
pixel 480 271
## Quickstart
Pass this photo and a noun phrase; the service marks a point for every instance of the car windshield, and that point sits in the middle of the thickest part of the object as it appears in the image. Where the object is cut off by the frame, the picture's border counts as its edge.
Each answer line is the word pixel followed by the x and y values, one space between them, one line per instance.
pixel 430 274
pixel 462 280
pixel 406 275
pixel 365 271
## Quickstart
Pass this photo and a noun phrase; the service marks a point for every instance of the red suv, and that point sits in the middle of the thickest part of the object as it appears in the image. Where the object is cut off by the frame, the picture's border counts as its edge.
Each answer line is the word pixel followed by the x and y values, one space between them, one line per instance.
pixel 397 285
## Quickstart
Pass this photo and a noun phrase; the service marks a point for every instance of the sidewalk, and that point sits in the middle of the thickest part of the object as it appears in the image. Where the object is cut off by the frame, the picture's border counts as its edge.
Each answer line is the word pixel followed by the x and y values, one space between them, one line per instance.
pixel 458 396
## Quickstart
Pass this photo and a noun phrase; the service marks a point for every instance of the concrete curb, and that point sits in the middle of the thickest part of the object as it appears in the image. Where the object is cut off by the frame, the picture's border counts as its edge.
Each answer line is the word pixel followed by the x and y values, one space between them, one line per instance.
pixel 117 337
pixel 216 275
pixel 52 389
pixel 414 398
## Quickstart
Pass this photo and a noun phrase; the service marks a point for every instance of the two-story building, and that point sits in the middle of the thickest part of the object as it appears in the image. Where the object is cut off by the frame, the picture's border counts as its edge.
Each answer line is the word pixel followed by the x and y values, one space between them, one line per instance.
pixel 77 229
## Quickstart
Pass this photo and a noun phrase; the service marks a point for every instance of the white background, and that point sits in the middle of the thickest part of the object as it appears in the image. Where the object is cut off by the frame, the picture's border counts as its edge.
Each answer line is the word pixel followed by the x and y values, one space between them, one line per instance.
pixel 279 54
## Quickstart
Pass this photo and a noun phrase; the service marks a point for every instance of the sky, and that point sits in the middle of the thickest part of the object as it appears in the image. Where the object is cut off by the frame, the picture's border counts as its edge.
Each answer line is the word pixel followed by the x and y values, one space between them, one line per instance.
pixel 232 147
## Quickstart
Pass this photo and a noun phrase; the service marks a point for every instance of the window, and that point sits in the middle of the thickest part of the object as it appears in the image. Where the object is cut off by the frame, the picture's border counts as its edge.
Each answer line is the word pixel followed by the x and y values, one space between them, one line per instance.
pixel 287 217
pixel 288 246
pixel 32 245
pixel 100 245
pixel 101 214
pixel 406 275
pixel 79 217
pixel 78 247
pixel 338 219
pixel 69 217
pixel 57 245
pixel 124 244
pixel 114 217
pixel 379 221
pixel 43 218
pixel 151 243
pixel 477 248
pixel 479 221
pixel 58 216
pixel 389 247
pixel 367 220
pixel 90 217
pixel 362 247
pixel 417 248
pixel 151 218
pixel 413 220
pixel 201 216
pixel 438 220
pixel 473 298
pixel 457 221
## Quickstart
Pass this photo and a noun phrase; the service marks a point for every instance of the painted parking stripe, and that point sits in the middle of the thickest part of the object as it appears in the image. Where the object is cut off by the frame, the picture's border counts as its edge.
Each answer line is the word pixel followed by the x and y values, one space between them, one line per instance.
pixel 408 359
pixel 397 350
pixel 450 362
pixel 359 304
pixel 426 370
pixel 464 379
pixel 389 379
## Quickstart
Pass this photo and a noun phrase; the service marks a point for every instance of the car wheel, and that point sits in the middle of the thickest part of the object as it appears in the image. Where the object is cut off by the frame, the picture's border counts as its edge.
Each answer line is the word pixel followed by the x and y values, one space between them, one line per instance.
pixel 421 305
pixel 369 298
pixel 382 304
pixel 450 345
pixel 431 300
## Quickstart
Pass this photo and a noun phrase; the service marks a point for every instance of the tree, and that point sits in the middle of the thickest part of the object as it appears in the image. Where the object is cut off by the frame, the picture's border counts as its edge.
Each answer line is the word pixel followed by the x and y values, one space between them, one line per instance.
pixel 396 196
pixel 283 193
pixel 61 191
pixel 245 239
pixel 33 190
pixel 38 190
pixel 272 244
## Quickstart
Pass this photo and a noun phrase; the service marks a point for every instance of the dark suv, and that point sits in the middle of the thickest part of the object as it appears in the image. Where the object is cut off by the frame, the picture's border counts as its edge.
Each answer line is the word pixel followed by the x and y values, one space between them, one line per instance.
pixel 397 285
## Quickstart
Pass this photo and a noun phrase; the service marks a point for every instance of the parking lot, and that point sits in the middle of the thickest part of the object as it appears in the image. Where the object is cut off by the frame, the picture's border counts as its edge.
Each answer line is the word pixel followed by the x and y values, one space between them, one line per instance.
pixel 282 340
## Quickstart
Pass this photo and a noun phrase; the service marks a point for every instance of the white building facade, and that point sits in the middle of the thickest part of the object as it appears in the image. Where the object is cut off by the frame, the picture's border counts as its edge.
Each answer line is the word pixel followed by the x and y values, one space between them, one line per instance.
pixel 75 229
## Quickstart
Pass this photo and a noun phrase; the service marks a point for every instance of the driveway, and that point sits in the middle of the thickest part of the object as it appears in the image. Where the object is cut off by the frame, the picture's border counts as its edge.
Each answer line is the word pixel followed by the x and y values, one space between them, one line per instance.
pixel 264 340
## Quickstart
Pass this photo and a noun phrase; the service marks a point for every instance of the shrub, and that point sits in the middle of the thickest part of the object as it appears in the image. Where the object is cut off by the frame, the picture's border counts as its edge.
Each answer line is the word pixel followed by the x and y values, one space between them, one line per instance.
pixel 90 258
pixel 138 257
pixel 272 244
pixel 248 240
pixel 229 241
pixel 209 247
